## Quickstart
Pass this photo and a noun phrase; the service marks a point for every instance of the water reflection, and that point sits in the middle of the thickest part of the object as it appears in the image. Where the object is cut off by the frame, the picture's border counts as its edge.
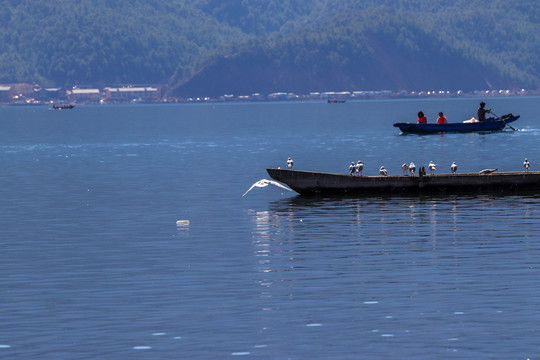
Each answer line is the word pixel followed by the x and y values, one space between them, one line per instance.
pixel 299 227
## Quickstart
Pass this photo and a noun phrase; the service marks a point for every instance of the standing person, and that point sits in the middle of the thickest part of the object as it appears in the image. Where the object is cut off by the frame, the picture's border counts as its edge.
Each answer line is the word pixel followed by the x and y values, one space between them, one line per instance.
pixel 442 119
pixel 482 112
pixel 422 119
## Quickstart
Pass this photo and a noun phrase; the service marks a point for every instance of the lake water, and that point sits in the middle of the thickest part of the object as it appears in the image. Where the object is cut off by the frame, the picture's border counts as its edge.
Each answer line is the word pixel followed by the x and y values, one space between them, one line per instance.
pixel 94 266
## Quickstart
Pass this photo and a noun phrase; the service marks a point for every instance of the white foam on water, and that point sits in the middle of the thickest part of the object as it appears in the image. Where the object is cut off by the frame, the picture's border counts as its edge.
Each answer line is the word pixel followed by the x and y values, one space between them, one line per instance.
pixel 459 313
pixel 370 302
pixel 387 335
pixel 240 353
pixel 142 347
pixel 5 346
pixel 389 317
pixel 260 346
pixel 375 331
pixel 158 334
pixel 177 337
pixel 453 339
pixel 311 325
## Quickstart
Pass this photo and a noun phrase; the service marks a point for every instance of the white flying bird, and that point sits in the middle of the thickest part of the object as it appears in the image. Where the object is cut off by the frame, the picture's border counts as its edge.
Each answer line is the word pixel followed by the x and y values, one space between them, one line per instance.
pixel 432 167
pixel 526 164
pixel 264 182
pixel 453 168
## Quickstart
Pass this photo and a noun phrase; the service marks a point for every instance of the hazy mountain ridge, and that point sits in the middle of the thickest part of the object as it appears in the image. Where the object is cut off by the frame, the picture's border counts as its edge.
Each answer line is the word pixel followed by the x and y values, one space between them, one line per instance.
pixel 360 53
pixel 413 45
pixel 210 47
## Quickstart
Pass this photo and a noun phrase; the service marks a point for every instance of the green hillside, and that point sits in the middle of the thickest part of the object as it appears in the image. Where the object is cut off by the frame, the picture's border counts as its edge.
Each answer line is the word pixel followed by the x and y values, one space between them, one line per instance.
pixel 212 47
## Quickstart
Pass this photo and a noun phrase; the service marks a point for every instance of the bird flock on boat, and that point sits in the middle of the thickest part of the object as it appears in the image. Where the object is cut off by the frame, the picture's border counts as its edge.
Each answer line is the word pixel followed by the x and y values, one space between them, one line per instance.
pixel 432 167
pixel 358 167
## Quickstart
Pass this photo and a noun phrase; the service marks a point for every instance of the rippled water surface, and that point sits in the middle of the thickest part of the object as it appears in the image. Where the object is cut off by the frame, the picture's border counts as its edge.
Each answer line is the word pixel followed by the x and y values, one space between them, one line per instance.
pixel 94 266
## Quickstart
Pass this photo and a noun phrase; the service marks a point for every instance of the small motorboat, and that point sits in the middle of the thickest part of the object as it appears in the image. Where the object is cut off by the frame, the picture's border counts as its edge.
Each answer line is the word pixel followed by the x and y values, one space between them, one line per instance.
pixel 63 107
pixel 495 124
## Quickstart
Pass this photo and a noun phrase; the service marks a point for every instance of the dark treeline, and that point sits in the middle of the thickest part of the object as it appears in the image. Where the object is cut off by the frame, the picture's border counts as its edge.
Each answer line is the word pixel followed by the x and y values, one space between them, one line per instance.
pixel 235 46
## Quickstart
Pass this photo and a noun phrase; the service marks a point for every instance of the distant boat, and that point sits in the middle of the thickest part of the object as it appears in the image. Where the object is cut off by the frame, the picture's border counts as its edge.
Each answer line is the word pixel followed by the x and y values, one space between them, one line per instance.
pixel 496 124
pixel 335 101
pixel 63 107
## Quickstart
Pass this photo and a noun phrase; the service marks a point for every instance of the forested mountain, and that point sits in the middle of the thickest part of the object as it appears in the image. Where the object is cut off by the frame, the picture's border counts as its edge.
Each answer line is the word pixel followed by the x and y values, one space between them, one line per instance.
pixel 213 47
pixel 67 42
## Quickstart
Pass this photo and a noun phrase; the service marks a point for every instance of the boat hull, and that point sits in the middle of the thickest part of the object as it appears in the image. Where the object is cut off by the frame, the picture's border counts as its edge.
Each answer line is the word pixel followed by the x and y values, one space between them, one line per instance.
pixel 480 126
pixel 307 182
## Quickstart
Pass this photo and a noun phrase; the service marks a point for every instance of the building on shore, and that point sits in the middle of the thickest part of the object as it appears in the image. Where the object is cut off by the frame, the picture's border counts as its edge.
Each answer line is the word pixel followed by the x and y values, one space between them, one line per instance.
pixel 84 95
pixel 5 94
pixel 131 94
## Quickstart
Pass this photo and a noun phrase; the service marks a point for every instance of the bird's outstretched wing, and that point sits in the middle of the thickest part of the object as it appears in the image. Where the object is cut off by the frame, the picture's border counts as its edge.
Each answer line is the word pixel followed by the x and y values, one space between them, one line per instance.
pixel 266 182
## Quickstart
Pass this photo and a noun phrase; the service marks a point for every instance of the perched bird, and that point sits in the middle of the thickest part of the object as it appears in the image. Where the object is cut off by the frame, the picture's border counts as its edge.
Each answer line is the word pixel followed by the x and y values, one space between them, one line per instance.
pixel 453 168
pixel 352 169
pixel 404 167
pixel 412 168
pixel 383 171
pixel 289 163
pixel 526 164
pixel 264 182
pixel 488 171
pixel 431 167
pixel 359 167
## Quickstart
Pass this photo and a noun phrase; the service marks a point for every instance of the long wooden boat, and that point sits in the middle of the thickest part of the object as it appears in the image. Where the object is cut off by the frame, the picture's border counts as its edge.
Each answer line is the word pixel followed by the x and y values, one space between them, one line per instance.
pixel 496 124
pixel 309 182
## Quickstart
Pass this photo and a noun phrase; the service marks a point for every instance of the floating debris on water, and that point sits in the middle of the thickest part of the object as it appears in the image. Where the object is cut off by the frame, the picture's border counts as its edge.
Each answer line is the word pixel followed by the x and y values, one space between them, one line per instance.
pixel 182 222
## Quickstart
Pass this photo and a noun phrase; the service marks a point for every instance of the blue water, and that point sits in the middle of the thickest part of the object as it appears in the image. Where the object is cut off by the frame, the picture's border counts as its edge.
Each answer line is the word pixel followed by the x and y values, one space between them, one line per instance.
pixel 94 266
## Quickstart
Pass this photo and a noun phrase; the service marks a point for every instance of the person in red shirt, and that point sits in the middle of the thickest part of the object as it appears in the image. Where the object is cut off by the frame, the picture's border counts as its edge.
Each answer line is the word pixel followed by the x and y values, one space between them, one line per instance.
pixel 422 119
pixel 442 119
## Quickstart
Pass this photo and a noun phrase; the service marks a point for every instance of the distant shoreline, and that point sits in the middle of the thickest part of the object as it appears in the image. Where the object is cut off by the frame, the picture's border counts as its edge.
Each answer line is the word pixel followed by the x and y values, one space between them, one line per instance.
pixel 335 99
